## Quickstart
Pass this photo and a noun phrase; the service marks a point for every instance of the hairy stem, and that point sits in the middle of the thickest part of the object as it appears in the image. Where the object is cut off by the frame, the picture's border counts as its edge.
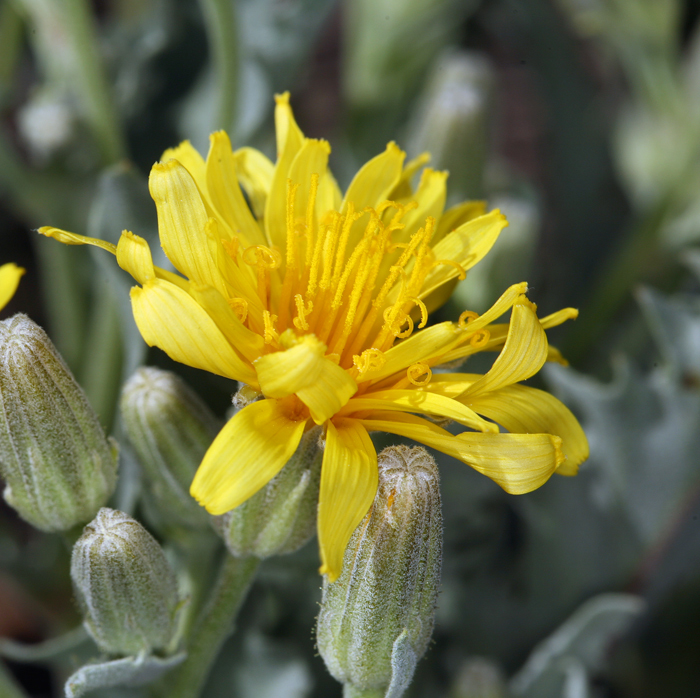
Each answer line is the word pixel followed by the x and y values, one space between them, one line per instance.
pixel 220 18
pixel 94 88
pixel 212 628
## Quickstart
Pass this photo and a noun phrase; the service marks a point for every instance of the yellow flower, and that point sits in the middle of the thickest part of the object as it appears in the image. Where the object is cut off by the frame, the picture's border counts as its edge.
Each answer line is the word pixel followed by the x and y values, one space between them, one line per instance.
pixel 316 302
pixel 10 275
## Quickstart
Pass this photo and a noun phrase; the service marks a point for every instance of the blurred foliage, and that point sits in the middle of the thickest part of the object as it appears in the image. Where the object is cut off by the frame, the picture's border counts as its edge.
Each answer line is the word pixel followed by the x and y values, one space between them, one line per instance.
pixel 579 118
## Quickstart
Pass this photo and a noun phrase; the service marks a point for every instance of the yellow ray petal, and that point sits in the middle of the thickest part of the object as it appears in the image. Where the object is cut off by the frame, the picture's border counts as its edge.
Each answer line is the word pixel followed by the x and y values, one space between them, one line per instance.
pixel 182 223
pixel 421 402
pixel 506 301
pixel 466 245
pixel 289 142
pixel 349 482
pixel 524 410
pixel 225 192
pixel 456 216
pixel 134 256
pixel 329 197
pixel 169 318
pixel 333 388
pixel 286 130
pixel 523 355
pixel 188 156
pixel 432 341
pixel 10 274
pixel 372 185
pixel 451 385
pixel 248 452
pixel 250 344
pixel 283 373
pixel 255 172
pixel 499 332
pixel 430 196
pixel 376 178
pixel 559 317
pixel 555 356
pixel 303 370
pixel 519 463
pixel 403 191
pixel 72 239
pixel 312 158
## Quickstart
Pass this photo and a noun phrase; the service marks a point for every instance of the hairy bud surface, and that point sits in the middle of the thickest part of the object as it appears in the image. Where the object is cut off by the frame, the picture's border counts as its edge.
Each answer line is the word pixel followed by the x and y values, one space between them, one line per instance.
pixel 281 517
pixel 376 620
pixel 58 466
pixel 125 588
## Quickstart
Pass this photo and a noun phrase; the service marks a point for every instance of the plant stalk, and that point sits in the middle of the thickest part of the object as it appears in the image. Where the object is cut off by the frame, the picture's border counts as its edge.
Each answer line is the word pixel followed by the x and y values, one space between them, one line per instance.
pixel 94 88
pixel 212 629
pixel 638 259
pixel 220 18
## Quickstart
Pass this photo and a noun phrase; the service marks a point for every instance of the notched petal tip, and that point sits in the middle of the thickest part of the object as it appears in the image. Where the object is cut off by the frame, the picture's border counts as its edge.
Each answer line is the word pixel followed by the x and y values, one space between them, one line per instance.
pixel 393 148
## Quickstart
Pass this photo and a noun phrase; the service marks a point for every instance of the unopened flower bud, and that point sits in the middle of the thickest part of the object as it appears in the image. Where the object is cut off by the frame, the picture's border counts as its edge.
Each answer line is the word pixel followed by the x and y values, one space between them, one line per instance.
pixel 58 466
pixel 170 429
pixel 377 618
pixel 281 517
pixel 125 587
pixel 452 121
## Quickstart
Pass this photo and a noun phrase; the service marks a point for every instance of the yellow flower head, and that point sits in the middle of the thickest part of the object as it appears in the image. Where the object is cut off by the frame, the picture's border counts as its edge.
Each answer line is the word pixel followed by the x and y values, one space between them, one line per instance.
pixel 317 302
pixel 10 274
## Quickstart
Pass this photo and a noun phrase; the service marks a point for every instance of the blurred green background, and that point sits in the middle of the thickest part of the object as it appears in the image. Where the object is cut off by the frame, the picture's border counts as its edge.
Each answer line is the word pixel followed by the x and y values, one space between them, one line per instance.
pixel 580 119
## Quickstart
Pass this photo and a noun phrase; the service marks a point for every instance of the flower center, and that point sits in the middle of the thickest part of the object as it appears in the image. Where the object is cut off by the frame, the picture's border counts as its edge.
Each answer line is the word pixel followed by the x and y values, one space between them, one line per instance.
pixel 343 279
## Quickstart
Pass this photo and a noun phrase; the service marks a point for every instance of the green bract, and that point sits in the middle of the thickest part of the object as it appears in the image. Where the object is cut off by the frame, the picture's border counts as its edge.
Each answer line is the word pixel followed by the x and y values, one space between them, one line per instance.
pixel 377 618
pixel 58 466
pixel 125 587
pixel 281 517
pixel 170 429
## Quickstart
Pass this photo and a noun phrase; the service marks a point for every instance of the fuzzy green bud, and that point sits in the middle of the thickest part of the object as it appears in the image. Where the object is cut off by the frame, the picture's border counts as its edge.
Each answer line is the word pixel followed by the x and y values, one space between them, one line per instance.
pixel 281 517
pixel 377 618
pixel 452 121
pixel 170 429
pixel 125 588
pixel 58 466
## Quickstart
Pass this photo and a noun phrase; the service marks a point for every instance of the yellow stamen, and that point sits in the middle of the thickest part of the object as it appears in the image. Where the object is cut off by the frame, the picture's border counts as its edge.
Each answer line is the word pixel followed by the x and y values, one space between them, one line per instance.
pixel 480 339
pixel 398 322
pixel 263 259
pixel 414 372
pixel 291 271
pixel 423 311
pixel 452 263
pixel 310 218
pixel 271 335
pixel 231 247
pixel 300 321
pixel 330 228
pixel 240 307
pixel 291 230
pixel 466 317
pixel 369 359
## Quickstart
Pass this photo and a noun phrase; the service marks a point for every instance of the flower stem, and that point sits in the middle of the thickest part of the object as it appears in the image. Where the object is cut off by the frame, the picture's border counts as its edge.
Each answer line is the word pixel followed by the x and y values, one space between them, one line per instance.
pixel 213 627
pixel 639 258
pixel 95 91
pixel 220 18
